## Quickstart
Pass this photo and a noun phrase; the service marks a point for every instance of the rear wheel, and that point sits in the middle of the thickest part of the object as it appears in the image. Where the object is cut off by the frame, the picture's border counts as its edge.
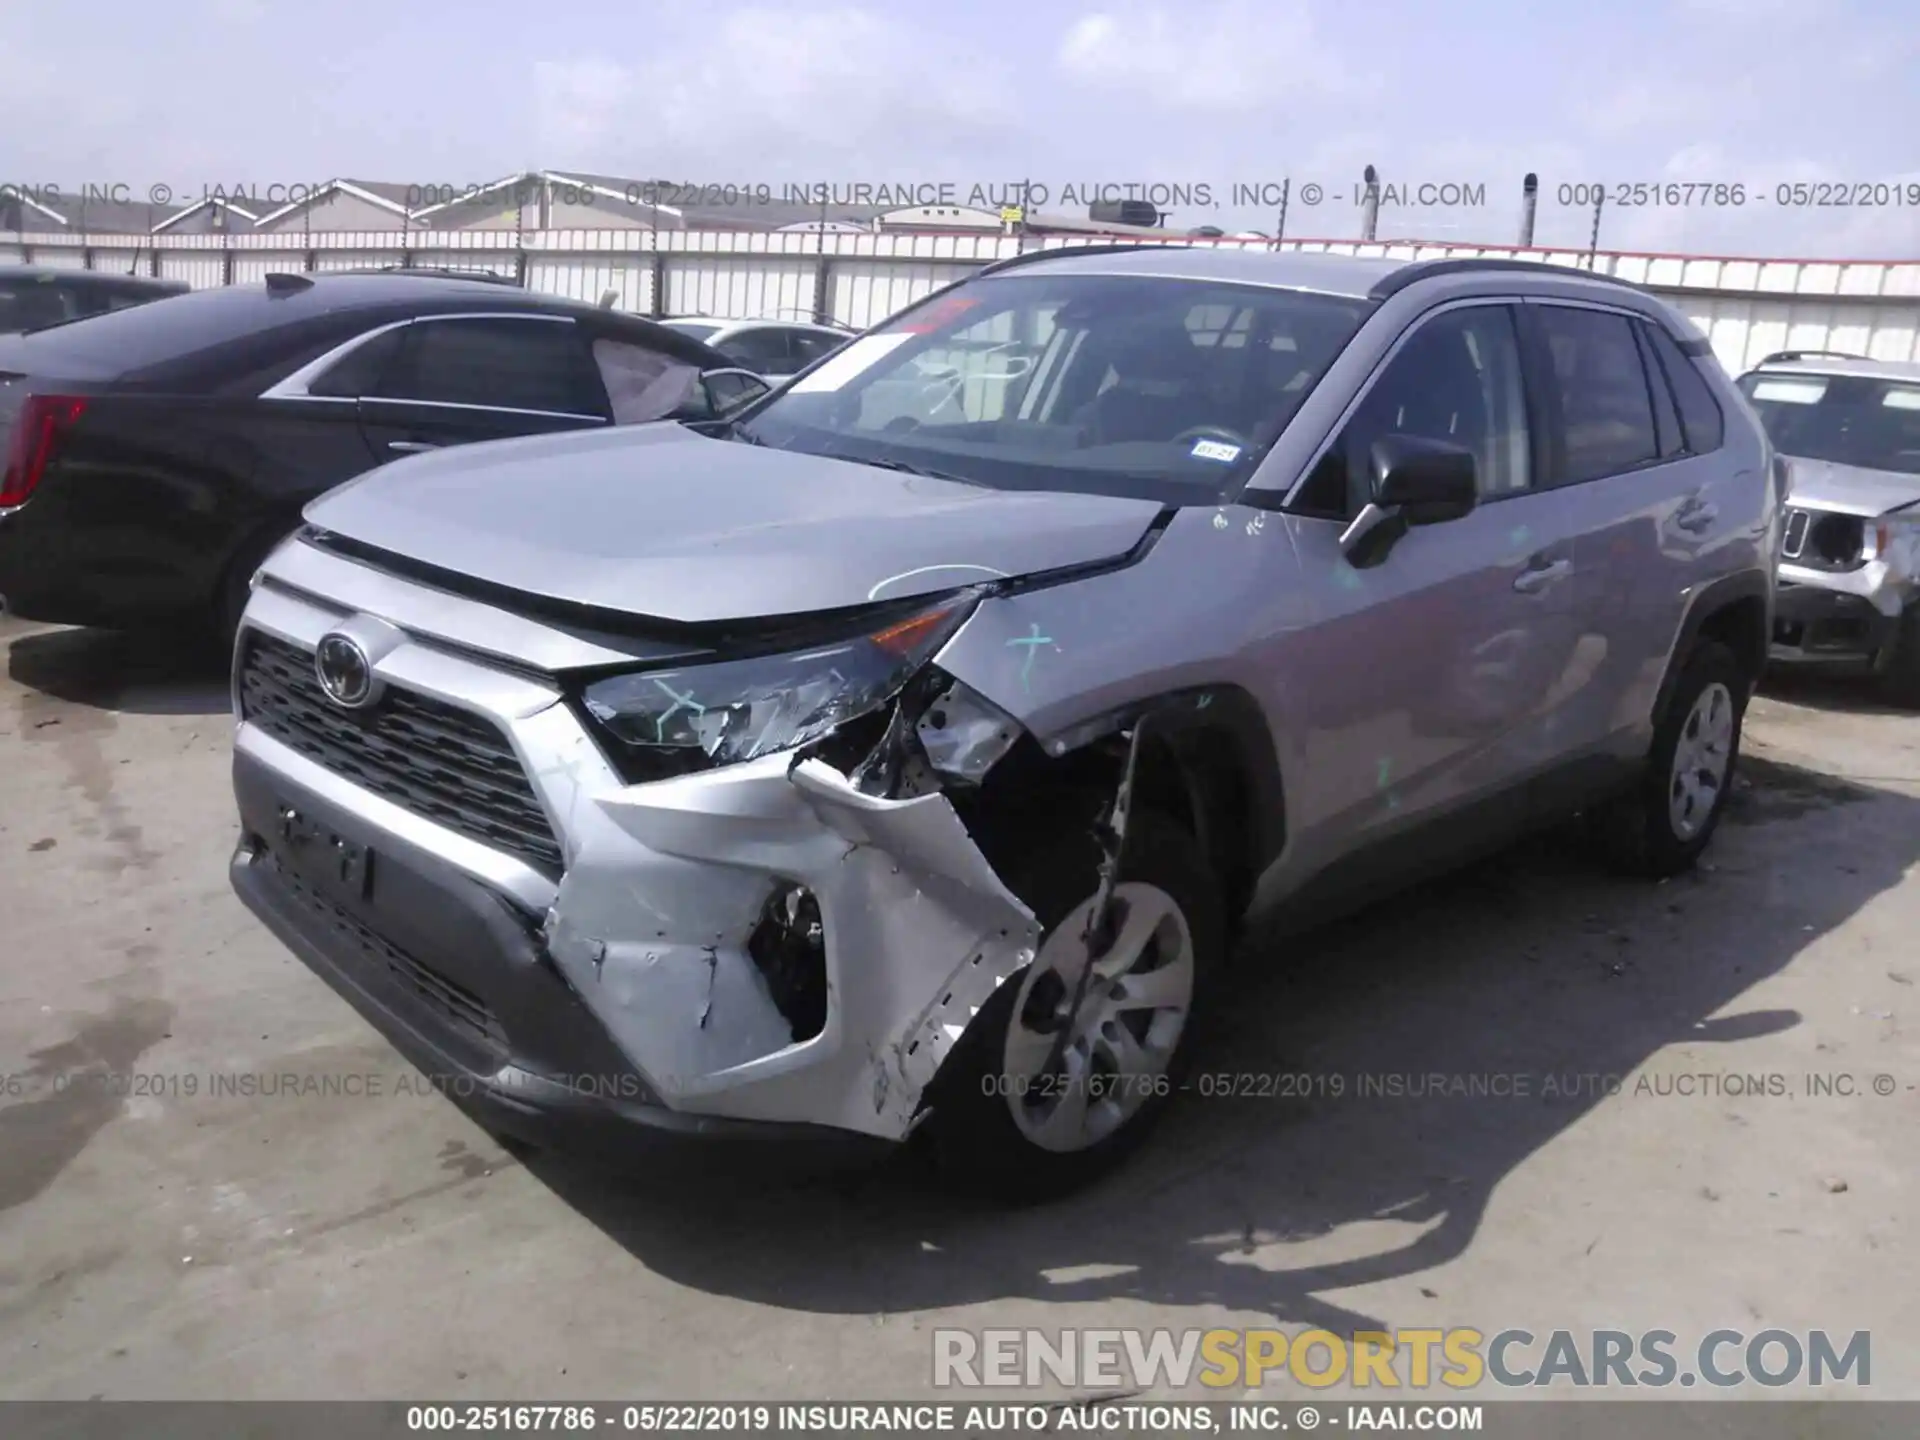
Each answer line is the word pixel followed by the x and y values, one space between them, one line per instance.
pixel 1661 826
pixel 1042 1097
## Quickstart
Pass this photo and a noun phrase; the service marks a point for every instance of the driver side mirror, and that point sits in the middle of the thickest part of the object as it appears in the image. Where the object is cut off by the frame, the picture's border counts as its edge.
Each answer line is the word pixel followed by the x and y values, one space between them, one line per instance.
pixel 718 393
pixel 1416 481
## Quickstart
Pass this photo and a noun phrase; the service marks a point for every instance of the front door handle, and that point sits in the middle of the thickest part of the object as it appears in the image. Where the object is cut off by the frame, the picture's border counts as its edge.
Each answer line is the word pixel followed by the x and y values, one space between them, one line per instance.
pixel 411 447
pixel 1540 574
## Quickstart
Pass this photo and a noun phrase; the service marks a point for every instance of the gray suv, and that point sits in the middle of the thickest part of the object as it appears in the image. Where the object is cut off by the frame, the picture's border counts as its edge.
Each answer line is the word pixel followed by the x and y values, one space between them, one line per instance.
pixel 897 758
pixel 1849 590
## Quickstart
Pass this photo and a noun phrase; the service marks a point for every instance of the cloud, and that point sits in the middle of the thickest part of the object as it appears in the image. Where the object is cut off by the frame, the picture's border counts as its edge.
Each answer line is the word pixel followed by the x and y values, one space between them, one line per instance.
pixel 806 92
pixel 1230 56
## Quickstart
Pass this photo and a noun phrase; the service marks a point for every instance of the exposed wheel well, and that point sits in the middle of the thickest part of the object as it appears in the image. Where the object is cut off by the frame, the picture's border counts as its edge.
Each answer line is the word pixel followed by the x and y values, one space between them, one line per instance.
pixel 1197 776
pixel 1741 626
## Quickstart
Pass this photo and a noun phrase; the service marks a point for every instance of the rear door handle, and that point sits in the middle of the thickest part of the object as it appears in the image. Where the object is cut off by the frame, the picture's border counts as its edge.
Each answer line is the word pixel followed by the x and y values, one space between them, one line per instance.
pixel 411 447
pixel 1541 573
pixel 1696 518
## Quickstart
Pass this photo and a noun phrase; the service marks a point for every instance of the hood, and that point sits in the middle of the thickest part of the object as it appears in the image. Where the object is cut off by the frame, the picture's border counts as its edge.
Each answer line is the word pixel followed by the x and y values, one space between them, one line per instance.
pixel 1849 489
pixel 655 520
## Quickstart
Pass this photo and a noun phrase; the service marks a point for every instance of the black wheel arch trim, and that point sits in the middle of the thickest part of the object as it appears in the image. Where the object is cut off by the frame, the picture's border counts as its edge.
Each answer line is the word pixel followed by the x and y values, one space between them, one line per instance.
pixel 1186 720
pixel 1713 598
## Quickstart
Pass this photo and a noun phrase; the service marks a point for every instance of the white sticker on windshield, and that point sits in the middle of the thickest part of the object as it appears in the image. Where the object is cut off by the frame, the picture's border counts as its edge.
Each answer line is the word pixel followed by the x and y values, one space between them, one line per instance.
pixel 1790 392
pixel 849 362
pixel 1214 450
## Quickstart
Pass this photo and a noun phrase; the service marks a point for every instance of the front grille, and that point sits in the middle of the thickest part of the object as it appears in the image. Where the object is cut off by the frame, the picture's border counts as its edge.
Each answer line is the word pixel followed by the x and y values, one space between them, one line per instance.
pixel 421 981
pixel 440 762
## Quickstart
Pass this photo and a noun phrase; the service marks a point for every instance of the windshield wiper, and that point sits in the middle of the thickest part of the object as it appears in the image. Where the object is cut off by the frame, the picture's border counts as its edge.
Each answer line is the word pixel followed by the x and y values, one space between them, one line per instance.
pixel 904 468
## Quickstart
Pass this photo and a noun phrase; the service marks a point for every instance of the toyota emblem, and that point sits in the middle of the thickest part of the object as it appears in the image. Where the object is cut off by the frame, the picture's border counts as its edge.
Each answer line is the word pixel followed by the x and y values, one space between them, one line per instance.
pixel 343 670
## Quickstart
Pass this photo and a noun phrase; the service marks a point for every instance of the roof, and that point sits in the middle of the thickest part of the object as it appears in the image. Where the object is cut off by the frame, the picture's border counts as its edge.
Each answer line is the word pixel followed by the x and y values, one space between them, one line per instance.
pixel 1288 269
pixel 108 217
pixel 382 193
pixel 1821 362
pixel 1361 277
pixel 219 202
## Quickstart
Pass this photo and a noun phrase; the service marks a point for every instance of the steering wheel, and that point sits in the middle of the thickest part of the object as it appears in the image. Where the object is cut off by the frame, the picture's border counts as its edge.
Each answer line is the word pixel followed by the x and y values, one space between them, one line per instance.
pixel 1211 432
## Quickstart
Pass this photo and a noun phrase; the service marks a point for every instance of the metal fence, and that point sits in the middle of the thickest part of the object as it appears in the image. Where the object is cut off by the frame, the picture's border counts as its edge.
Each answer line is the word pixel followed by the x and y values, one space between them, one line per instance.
pixel 1748 308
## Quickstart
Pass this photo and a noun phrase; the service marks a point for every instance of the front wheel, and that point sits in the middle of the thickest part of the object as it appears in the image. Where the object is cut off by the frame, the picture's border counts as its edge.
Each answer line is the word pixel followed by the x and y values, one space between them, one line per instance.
pixel 1042 1097
pixel 1660 828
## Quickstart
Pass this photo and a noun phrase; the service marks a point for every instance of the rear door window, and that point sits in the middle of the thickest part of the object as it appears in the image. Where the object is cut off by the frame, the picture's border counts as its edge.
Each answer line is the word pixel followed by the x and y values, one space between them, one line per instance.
pixel 496 363
pixel 1606 407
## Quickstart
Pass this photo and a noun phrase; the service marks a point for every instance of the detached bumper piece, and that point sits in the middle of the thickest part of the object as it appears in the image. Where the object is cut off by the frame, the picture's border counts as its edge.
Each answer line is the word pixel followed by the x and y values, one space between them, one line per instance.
pixel 1814 623
pixel 459 981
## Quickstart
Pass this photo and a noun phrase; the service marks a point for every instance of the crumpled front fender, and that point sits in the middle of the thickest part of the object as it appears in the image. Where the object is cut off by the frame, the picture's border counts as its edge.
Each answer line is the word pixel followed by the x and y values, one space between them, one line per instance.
pixel 667 882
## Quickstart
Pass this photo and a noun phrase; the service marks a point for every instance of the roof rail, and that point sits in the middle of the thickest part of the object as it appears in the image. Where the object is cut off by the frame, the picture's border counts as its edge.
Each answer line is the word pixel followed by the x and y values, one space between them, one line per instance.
pixel 1058 252
pixel 1779 356
pixel 1419 270
pixel 431 272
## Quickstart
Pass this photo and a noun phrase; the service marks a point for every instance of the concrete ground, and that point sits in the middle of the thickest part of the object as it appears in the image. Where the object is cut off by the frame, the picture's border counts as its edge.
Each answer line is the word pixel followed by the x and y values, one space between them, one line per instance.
pixel 175 1242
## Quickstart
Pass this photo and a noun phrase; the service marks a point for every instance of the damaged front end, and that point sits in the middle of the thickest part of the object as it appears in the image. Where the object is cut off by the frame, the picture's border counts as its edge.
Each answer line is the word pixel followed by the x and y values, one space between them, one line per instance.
pixel 783 908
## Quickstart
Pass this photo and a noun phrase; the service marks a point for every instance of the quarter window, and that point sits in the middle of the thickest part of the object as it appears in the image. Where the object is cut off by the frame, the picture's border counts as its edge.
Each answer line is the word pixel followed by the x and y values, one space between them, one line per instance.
pixel 358 372
pixel 1606 408
pixel 1700 417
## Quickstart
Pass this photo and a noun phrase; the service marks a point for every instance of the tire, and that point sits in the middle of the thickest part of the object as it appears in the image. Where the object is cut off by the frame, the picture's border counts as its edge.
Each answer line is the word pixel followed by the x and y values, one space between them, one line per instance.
pixel 1660 827
pixel 977 1141
pixel 1900 679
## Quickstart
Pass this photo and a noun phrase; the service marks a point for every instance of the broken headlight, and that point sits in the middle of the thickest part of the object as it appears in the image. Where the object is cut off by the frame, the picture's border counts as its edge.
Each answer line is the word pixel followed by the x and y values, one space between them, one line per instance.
pixel 675 721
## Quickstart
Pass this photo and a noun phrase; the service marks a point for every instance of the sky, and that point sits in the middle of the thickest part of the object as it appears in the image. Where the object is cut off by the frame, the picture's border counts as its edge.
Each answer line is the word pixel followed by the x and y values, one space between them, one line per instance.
pixel 1684 98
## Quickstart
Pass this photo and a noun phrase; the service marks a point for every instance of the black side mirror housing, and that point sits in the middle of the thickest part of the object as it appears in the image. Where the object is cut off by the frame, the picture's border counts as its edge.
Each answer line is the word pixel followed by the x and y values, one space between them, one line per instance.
pixel 1416 481
pixel 1427 481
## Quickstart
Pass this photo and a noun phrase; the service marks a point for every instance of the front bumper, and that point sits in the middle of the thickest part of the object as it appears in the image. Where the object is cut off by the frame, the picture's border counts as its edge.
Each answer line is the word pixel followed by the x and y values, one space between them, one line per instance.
pixel 624 991
pixel 1846 617
pixel 456 981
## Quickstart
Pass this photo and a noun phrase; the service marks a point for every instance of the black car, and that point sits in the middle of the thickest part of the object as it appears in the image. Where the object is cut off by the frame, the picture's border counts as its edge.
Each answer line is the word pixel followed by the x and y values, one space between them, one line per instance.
pixel 32 297
pixel 155 455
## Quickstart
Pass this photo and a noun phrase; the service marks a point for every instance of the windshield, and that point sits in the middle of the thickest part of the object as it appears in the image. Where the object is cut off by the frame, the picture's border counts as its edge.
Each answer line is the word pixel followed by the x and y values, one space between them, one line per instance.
pixel 1143 387
pixel 694 328
pixel 1846 419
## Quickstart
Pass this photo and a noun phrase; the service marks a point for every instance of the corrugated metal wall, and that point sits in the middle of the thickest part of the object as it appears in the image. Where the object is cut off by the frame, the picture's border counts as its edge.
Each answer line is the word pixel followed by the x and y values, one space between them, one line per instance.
pixel 201 269
pixel 1746 307
pixel 757 286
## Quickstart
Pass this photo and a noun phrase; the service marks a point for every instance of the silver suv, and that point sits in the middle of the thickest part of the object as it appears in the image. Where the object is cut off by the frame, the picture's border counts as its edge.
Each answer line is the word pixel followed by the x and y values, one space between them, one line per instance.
pixel 1849 590
pixel 898 758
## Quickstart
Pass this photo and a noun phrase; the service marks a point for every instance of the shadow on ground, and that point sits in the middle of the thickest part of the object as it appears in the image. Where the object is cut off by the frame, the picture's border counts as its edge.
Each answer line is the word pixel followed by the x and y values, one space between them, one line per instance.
pixel 1528 964
pixel 1828 689
pixel 129 674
